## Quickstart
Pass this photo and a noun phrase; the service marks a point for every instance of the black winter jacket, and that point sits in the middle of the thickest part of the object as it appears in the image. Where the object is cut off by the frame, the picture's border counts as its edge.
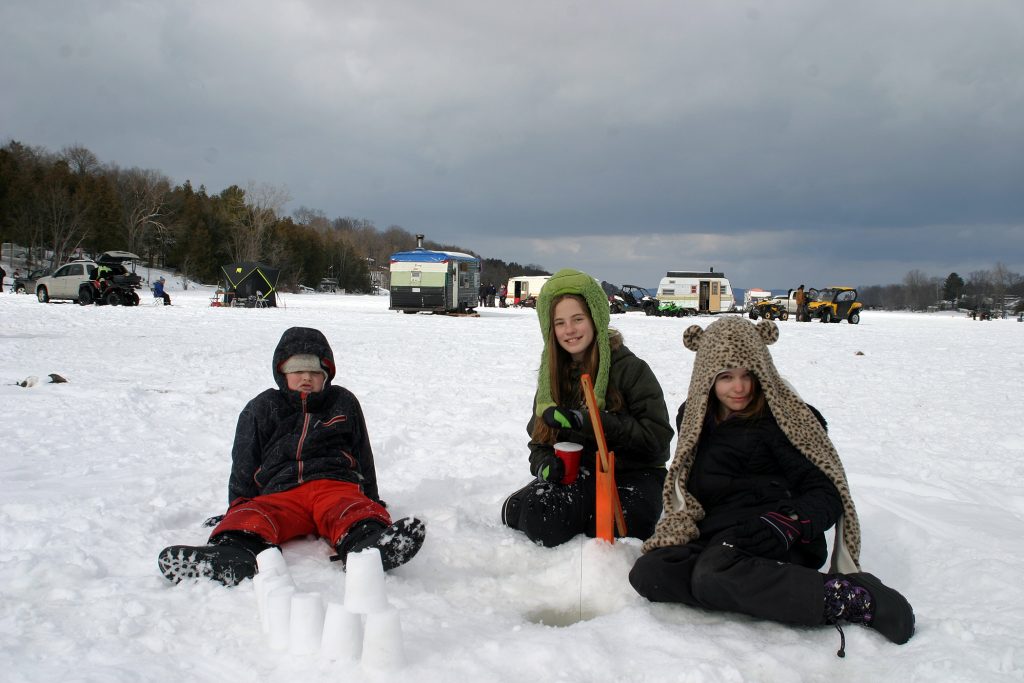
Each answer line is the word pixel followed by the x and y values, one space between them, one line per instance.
pixel 639 434
pixel 285 438
pixel 746 466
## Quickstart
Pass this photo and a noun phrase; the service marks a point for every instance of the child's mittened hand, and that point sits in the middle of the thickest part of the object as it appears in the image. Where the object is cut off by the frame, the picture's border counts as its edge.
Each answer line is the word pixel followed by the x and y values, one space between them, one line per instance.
pixel 551 469
pixel 563 418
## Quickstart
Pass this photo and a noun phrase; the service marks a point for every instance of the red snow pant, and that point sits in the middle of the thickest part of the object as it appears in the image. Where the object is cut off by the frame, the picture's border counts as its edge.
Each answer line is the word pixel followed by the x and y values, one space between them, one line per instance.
pixel 324 507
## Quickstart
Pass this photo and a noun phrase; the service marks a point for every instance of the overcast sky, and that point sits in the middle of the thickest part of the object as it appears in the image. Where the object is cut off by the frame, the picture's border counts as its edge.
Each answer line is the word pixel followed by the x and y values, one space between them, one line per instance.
pixel 780 142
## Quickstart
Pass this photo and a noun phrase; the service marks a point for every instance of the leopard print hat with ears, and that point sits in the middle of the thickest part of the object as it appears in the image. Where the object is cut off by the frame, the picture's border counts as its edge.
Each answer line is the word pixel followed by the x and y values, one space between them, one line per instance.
pixel 734 342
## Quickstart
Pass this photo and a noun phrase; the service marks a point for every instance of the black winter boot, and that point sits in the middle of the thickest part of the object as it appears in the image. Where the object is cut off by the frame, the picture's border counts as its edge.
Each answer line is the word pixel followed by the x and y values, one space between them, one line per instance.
pixel 230 558
pixel 397 543
pixel 860 598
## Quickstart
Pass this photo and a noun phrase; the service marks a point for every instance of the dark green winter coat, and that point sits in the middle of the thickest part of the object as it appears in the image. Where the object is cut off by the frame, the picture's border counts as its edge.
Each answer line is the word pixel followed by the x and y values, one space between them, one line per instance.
pixel 639 433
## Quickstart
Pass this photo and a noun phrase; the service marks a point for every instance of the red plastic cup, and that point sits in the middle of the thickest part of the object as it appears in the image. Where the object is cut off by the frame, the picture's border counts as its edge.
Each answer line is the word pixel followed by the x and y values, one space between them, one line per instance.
pixel 569 453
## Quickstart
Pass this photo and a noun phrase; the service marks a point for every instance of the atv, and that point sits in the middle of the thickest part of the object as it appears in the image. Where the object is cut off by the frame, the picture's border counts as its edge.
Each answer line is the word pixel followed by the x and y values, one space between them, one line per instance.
pixel 112 283
pixel 635 298
pixel 769 309
pixel 834 304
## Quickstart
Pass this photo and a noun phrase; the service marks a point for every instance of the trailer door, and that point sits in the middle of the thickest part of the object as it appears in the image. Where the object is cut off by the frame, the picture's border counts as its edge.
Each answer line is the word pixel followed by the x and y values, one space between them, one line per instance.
pixel 703 298
pixel 715 301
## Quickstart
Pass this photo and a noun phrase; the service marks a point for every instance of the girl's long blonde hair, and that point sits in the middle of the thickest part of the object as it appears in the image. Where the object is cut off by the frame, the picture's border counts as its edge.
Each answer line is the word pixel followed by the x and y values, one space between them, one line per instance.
pixel 565 391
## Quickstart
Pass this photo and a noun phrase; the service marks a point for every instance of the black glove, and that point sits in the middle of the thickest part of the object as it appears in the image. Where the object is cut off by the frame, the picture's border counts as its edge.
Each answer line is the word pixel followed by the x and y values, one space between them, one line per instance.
pixel 213 521
pixel 769 535
pixel 563 418
pixel 551 469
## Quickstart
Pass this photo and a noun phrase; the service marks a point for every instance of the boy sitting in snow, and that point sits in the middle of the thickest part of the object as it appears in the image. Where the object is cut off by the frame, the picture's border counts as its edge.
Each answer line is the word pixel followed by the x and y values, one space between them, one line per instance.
pixel 301 464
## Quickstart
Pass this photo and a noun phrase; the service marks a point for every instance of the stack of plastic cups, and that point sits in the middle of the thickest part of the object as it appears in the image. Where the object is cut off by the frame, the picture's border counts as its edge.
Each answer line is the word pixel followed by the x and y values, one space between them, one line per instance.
pixel 382 646
pixel 306 623
pixel 343 633
pixel 274 590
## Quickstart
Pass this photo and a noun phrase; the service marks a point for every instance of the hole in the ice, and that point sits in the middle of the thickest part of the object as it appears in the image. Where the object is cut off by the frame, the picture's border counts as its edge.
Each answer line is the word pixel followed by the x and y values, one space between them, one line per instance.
pixel 561 617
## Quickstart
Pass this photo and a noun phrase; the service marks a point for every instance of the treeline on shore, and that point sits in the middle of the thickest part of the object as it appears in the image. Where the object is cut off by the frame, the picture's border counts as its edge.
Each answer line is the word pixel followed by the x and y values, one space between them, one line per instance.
pixel 66 203
pixel 996 289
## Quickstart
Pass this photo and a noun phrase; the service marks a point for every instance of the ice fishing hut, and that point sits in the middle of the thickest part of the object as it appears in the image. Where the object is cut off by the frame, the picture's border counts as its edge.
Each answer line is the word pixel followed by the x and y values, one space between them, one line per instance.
pixel 250 285
pixel 436 281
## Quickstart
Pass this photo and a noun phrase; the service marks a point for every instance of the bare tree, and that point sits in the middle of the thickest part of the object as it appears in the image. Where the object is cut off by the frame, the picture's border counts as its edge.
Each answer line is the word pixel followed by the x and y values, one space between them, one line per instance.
pixel 143 194
pixel 63 215
pixel 921 290
pixel 314 218
pixel 262 205
pixel 1002 278
pixel 80 160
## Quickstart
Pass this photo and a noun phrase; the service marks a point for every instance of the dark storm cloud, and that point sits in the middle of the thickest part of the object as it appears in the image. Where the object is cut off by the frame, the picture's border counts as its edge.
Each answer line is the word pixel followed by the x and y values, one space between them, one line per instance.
pixel 856 139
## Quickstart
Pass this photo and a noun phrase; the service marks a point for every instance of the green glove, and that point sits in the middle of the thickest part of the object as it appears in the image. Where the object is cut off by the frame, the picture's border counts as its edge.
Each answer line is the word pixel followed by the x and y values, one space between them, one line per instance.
pixel 563 418
pixel 551 469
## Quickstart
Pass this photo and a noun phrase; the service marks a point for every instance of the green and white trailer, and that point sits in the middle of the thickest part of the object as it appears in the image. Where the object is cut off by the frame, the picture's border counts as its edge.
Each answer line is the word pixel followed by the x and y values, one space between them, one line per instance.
pixel 435 281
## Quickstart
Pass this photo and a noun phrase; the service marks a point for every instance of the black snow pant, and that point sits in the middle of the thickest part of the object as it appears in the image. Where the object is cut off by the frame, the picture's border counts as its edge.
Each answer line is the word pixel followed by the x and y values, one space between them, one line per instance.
pixel 721 577
pixel 551 514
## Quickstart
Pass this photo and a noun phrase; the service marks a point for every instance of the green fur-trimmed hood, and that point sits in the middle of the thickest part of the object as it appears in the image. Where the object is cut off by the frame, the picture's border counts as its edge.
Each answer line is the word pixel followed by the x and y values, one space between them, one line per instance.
pixel 569 281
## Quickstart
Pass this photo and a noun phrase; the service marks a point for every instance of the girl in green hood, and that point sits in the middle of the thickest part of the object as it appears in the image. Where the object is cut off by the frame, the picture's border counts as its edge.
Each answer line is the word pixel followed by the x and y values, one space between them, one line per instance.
pixel 574 315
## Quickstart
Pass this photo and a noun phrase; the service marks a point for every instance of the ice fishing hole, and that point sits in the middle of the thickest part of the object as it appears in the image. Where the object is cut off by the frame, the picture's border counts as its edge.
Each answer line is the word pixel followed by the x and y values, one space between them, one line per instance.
pixel 561 618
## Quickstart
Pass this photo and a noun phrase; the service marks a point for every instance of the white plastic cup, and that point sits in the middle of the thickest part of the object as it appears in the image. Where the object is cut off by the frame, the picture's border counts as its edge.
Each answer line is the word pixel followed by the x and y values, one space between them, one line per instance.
pixel 271 561
pixel 364 582
pixel 343 633
pixel 279 611
pixel 383 648
pixel 263 584
pixel 307 623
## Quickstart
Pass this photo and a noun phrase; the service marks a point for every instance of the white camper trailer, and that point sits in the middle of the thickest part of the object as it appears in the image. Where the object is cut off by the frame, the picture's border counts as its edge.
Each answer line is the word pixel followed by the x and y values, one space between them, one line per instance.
pixel 696 292
pixel 524 289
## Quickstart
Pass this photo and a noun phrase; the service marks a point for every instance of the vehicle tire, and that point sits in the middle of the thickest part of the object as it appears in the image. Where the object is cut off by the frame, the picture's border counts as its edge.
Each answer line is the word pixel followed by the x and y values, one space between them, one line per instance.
pixel 85 296
pixel 42 295
pixel 648 310
pixel 405 311
pixel 752 315
pixel 784 315
pixel 854 318
pixel 113 298
pixel 826 316
pixel 20 289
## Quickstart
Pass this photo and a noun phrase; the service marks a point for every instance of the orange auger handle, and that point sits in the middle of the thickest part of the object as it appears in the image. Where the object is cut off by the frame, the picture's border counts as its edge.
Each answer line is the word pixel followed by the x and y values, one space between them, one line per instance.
pixel 609 506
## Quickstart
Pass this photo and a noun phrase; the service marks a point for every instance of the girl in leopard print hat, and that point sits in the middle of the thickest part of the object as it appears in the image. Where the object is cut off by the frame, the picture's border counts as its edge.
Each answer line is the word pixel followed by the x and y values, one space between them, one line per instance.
pixel 754 485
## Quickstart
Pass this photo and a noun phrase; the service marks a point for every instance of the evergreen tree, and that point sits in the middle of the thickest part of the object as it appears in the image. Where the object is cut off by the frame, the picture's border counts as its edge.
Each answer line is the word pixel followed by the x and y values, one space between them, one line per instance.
pixel 953 288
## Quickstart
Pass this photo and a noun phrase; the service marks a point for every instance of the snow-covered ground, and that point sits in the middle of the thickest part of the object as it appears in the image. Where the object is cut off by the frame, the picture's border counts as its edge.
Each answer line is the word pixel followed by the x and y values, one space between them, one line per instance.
pixel 132 454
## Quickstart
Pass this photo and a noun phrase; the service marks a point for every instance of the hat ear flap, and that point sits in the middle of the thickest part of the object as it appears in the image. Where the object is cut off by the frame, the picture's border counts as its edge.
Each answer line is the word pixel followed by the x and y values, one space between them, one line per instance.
pixel 692 336
pixel 769 331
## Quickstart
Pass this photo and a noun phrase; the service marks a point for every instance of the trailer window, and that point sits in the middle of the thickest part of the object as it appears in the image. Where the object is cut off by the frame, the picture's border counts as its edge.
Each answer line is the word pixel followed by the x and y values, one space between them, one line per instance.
pixel 668 292
pixel 714 289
